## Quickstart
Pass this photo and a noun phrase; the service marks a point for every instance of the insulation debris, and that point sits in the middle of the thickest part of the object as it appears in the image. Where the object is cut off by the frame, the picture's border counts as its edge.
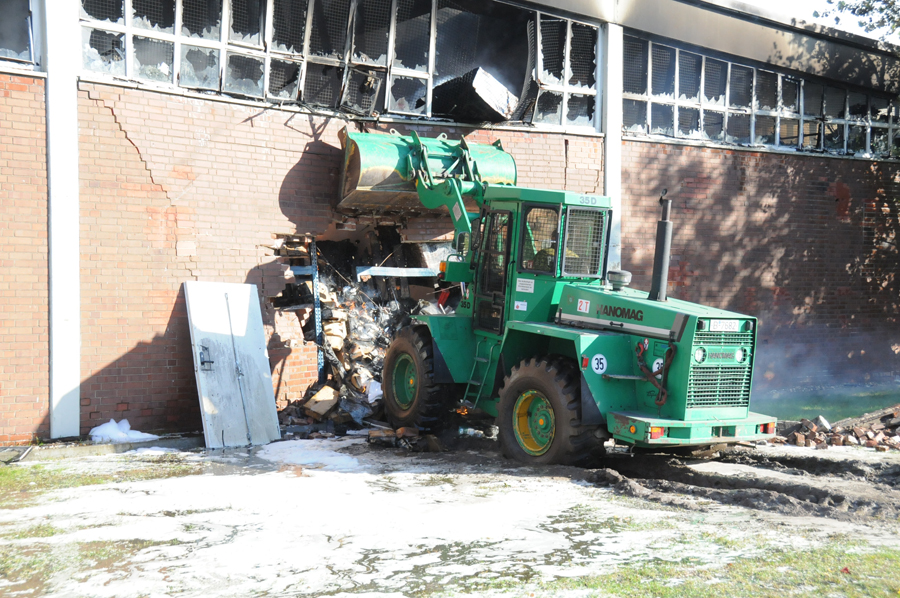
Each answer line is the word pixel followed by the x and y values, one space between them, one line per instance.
pixel 118 432
pixel 476 96
pixel 879 430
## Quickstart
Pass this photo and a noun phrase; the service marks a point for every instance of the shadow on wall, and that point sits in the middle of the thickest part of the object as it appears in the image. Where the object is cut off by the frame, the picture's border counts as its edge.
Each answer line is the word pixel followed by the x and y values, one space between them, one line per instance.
pixel 807 244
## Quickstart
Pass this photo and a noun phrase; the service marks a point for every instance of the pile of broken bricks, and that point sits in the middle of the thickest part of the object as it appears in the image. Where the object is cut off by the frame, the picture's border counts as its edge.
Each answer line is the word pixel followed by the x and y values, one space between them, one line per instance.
pixel 879 430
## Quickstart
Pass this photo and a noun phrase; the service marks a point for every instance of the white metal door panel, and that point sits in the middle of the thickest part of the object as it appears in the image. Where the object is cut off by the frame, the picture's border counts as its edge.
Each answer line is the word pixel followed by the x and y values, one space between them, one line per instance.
pixel 231 363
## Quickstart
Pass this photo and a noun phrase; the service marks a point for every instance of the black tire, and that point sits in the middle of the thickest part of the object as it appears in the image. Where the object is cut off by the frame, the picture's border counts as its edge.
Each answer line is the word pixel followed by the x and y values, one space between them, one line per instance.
pixel 426 405
pixel 557 380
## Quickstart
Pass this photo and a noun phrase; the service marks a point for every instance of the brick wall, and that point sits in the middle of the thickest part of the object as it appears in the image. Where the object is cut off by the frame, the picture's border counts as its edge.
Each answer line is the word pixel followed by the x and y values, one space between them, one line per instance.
pixel 794 240
pixel 24 349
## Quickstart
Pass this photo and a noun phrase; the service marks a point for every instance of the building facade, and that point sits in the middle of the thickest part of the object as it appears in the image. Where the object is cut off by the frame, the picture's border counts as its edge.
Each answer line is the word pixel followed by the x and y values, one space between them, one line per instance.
pixel 145 143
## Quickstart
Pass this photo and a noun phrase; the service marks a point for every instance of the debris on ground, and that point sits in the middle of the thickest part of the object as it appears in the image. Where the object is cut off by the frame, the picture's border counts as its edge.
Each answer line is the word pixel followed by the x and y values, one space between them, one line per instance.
pixel 118 432
pixel 879 430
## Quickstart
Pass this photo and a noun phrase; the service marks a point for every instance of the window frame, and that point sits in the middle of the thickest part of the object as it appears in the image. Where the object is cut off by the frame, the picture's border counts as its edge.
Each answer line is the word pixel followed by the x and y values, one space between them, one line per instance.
pixel 526 208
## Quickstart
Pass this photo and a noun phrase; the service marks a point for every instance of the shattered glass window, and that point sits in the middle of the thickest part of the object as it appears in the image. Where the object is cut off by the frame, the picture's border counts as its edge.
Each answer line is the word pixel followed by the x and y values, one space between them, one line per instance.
pixel 153 15
pixel 635 65
pixel 288 26
pixel 548 110
pixel 662 120
pixel 765 130
pixel 834 137
pixel 811 134
pixel 738 129
pixel 244 75
pixel 199 67
pixel 880 141
pixel 104 10
pixel 246 22
pixel 812 99
pixel 859 104
pixel 856 139
pixel 688 122
pixel 553 49
pixel 714 125
pixel 15 30
pixel 582 61
pixel 881 110
pixel 284 79
pixel 363 95
pixel 662 72
pixel 766 90
pixel 201 18
pixel 372 25
pixel 328 36
pixel 741 94
pixel 154 60
pixel 789 132
pixel 790 94
pixel 689 67
pixel 413 33
pixel 408 95
pixel 834 102
pixel 103 51
pixel 634 116
pixel 581 110
pixel 715 81
pixel 322 86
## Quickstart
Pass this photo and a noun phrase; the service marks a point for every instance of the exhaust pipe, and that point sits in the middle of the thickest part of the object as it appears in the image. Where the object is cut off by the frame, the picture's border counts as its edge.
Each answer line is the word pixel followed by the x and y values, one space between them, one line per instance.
pixel 660 279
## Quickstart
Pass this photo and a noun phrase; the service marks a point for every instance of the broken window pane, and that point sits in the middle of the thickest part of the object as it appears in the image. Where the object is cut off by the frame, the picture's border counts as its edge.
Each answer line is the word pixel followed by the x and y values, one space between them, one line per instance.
pixel 199 67
pixel 715 81
pixel 408 95
pixel 689 67
pixel 635 65
pixel 103 51
pixel 811 135
pixel 553 49
pixel 714 125
pixel 363 95
pixel 372 24
pixel 662 78
pixel 153 59
pixel 741 93
pixel 881 110
pixel 834 137
pixel 322 85
pixel 289 26
pixel 104 10
pixel 662 120
pixel 413 34
pixel 284 79
pixel 859 104
pixel 738 128
pixel 243 75
pixel 790 93
pixel 582 62
pixel 246 22
pixel 580 112
pixel 155 15
pixel 789 132
pixel 634 116
pixel 15 30
pixel 201 18
pixel 765 130
pixel 549 108
pixel 834 102
pixel 689 122
pixel 879 141
pixel 812 99
pixel 856 139
pixel 766 90
pixel 477 96
pixel 329 28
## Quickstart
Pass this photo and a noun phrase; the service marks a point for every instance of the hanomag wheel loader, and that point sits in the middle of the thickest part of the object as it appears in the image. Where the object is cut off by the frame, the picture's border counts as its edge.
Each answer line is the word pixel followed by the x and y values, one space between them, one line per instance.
pixel 545 338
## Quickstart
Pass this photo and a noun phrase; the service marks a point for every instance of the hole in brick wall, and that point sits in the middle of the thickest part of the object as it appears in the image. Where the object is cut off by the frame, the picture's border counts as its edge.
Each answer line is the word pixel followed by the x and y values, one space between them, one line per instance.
pixel 289 25
pixel 372 25
pixel 244 75
pixel 408 95
pixel 103 51
pixel 201 18
pixel 153 59
pixel 323 84
pixel 364 92
pixel 246 21
pixel 15 30
pixel 328 36
pixel 199 67
pixel 413 34
pixel 104 10
pixel 155 15
pixel 284 79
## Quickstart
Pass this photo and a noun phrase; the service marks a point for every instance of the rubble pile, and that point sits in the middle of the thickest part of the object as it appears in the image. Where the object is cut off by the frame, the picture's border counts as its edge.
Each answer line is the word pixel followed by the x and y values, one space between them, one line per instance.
pixel 879 430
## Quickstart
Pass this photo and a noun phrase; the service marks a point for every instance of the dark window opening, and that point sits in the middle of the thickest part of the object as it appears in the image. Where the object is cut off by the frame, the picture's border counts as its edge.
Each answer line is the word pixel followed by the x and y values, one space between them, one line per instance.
pixel 714 125
pixel 635 116
pixel 662 120
pixel 765 130
pixel 103 10
pixel 581 56
pixel 322 86
pixel 201 18
pixel 790 93
pixel 738 128
pixel 328 36
pixel 244 75
pixel 812 135
pixel 104 51
pixel 881 110
pixel 553 49
pixel 789 132
pixel 859 104
pixel 688 122
pixel 662 72
pixel 549 108
pixel 199 67
pixel 154 60
pixel 834 137
pixel 715 81
pixel 364 92
pixel 408 95
pixel 635 65
pixel 689 67
pixel 856 139
pixel 155 15
pixel 879 142
pixel 246 21
pixel 284 79
pixel 741 94
pixel 15 30
pixel 413 32
pixel 372 28
pixel 289 26
pixel 580 112
pixel 812 99
pixel 540 232
pixel 766 90
pixel 835 102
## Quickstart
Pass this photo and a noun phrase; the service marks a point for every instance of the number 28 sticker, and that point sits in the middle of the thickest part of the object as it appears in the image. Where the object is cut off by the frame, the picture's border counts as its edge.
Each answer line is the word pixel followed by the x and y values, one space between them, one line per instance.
pixel 598 364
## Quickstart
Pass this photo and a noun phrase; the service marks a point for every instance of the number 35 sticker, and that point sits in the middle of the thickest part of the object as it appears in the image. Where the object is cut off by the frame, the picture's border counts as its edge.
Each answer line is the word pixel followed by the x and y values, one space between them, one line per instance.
pixel 598 364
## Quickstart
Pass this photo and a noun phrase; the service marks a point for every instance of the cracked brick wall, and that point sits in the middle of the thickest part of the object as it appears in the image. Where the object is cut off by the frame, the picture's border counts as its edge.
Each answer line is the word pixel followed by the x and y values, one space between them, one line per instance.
pixel 24 348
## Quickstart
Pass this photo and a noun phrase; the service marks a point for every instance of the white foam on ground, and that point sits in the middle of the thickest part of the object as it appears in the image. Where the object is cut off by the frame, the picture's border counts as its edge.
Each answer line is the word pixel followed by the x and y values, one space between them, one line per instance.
pixel 118 432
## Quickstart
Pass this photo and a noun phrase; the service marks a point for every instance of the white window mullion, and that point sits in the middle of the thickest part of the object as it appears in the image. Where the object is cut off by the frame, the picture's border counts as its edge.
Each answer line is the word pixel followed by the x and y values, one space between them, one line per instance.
pixel 307 32
pixel 392 33
pixel 675 99
pixel 432 49
pixel 129 43
pixel 727 101
pixel 649 87
pixel 801 96
pixel 267 32
pixel 176 52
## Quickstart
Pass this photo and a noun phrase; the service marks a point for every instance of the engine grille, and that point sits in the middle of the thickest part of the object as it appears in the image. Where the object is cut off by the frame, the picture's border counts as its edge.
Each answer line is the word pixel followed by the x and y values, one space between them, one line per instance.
pixel 720 385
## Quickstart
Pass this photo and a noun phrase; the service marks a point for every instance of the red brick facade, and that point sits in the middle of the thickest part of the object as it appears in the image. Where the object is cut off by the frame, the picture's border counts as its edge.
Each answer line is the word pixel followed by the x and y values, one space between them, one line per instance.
pixel 24 336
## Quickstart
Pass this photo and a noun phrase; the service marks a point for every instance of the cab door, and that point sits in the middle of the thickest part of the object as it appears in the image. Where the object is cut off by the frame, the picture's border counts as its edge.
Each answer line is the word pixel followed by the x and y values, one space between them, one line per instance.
pixel 493 271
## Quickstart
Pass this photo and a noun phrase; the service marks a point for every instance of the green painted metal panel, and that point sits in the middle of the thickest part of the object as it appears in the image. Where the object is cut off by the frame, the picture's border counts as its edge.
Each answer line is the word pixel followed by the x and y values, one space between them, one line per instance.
pixel 456 341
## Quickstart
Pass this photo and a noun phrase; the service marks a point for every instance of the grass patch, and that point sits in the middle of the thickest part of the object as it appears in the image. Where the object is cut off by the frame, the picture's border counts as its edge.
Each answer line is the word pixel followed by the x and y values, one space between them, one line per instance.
pixel 41 530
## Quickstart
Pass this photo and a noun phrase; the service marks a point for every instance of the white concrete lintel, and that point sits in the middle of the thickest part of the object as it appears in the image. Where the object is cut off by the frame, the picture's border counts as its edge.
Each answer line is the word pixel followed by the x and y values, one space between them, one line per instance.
pixel 611 59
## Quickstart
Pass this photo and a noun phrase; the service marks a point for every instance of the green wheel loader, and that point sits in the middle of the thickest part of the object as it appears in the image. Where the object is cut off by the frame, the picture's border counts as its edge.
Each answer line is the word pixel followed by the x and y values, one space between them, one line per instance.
pixel 545 338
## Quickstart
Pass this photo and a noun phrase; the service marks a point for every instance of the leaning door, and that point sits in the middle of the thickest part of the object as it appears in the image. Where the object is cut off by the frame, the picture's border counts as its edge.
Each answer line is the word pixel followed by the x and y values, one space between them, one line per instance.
pixel 493 267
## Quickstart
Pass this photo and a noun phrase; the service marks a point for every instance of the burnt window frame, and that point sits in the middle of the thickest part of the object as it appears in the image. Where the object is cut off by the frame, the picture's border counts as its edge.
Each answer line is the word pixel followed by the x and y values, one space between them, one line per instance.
pixel 523 223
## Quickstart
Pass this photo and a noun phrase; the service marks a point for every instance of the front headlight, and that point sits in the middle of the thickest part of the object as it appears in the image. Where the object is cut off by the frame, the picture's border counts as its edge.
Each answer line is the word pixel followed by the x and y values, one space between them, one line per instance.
pixel 739 355
pixel 700 355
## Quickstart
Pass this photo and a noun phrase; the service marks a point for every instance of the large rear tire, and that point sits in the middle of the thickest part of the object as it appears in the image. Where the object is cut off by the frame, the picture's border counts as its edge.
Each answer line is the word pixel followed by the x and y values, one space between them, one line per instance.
pixel 540 413
pixel 411 397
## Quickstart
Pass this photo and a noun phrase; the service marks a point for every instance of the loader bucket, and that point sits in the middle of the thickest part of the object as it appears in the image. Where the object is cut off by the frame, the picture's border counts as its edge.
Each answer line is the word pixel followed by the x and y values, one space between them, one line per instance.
pixel 375 176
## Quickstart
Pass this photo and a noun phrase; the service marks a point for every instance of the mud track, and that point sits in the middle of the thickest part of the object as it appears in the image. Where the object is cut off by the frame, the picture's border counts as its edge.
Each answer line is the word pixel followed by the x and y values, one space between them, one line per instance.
pixel 846 490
